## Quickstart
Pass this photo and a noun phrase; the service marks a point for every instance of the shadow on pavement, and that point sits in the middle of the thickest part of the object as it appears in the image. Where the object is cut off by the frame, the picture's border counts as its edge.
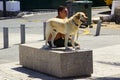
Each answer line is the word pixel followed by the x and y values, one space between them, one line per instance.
pixel 107 78
pixel 109 63
pixel 35 74
pixel 106 12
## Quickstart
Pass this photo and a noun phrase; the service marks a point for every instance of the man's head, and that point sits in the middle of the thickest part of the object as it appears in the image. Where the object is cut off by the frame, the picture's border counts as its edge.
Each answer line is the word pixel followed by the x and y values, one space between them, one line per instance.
pixel 62 12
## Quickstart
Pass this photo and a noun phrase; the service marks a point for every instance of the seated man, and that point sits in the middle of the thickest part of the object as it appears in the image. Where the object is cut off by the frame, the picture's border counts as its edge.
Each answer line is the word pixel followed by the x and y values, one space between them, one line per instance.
pixel 60 38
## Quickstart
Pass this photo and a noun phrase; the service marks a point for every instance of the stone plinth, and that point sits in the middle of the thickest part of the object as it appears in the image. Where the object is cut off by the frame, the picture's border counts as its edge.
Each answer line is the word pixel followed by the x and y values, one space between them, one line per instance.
pixel 56 62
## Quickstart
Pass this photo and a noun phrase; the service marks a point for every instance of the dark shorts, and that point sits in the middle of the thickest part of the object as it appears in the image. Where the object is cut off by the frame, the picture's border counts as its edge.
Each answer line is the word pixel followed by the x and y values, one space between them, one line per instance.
pixel 60 43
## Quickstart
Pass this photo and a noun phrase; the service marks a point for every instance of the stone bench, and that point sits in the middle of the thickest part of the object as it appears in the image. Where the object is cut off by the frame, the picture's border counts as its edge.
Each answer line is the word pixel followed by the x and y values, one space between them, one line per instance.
pixel 56 62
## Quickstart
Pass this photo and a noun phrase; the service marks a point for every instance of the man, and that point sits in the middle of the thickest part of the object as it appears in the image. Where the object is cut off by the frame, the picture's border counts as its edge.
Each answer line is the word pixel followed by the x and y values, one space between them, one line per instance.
pixel 60 38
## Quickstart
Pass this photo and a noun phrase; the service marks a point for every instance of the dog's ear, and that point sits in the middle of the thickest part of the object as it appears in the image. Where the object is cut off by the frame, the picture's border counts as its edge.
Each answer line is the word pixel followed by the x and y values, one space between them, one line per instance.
pixel 78 16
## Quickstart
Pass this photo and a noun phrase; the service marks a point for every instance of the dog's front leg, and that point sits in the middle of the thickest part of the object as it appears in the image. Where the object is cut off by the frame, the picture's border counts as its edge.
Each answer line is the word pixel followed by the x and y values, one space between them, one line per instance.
pixel 66 41
pixel 73 42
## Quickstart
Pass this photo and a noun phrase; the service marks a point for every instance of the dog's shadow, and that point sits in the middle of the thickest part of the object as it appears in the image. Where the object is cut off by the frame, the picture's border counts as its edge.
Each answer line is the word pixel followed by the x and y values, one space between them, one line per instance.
pixel 106 12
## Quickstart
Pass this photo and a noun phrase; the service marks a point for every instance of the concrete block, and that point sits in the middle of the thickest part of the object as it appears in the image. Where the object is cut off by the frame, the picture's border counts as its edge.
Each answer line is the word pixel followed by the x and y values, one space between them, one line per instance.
pixel 56 62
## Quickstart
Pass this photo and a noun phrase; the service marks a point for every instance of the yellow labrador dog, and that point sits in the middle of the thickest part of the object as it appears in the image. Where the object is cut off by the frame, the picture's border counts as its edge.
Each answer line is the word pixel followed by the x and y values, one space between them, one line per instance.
pixel 68 27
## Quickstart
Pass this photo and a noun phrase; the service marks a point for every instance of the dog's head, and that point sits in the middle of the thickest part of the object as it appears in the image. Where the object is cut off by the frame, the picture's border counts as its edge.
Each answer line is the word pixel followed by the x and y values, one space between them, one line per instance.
pixel 81 16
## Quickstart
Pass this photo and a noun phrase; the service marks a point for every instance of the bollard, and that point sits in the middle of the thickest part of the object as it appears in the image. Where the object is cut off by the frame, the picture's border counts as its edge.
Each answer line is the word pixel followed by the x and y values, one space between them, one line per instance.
pixel 98 28
pixel 44 28
pixel 6 37
pixel 22 29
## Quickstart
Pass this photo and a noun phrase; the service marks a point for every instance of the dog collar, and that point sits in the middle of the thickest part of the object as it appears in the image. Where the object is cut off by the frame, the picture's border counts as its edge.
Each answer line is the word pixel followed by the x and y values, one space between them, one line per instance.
pixel 75 23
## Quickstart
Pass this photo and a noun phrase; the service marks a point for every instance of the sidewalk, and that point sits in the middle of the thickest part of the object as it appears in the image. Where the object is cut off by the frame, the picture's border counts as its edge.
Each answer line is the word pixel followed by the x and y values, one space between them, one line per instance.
pixel 106 67
pixel 107 62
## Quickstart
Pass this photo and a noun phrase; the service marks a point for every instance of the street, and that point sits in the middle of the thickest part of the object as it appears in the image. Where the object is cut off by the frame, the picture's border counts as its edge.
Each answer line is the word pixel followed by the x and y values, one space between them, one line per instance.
pixel 109 36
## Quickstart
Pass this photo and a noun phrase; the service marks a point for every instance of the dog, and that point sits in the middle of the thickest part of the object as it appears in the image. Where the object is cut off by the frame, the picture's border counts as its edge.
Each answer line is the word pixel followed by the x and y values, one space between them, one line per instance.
pixel 68 27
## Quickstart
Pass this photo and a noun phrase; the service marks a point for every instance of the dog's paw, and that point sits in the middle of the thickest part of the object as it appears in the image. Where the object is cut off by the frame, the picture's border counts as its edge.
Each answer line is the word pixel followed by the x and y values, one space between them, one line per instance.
pixel 53 46
pixel 45 47
pixel 68 49
pixel 77 48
